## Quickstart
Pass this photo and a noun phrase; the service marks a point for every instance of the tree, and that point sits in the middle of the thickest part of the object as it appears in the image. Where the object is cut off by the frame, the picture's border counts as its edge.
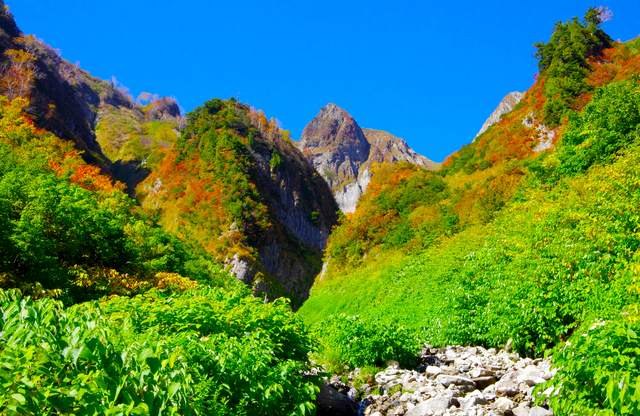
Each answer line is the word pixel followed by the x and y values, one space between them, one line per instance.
pixel 144 96
pixel 565 60
pixel 18 74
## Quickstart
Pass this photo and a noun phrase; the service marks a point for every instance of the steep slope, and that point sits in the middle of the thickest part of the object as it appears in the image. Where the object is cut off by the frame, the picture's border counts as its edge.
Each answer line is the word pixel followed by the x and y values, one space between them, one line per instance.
pixel 505 241
pixel 63 98
pixel 343 153
pixel 268 223
pixel 507 105
pixel 235 183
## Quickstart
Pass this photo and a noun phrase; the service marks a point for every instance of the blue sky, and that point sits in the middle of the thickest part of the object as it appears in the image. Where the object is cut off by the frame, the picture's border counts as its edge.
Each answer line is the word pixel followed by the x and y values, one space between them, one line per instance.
pixel 428 72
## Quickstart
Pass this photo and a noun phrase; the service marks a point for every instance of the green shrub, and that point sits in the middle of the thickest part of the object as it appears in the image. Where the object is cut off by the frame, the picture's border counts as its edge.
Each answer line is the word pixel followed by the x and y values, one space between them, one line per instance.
pixel 204 351
pixel 598 372
pixel 359 342
pixel 610 122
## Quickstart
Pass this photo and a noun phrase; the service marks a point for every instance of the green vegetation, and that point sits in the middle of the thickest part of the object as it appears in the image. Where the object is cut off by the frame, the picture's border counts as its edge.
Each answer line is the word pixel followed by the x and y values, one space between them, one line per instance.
pixel 67 230
pixel 538 246
pixel 598 371
pixel 356 342
pixel 563 62
pixel 204 351
pixel 104 311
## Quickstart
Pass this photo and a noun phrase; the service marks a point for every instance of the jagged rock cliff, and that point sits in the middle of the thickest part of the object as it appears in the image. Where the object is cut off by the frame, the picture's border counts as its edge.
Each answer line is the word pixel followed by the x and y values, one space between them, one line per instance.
pixel 507 105
pixel 291 253
pixel 342 153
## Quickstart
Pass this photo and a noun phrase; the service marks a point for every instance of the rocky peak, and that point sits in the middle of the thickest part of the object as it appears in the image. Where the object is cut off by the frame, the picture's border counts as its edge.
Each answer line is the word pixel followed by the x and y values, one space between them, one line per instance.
pixel 342 153
pixel 335 144
pixel 507 105
pixel 385 147
pixel 162 109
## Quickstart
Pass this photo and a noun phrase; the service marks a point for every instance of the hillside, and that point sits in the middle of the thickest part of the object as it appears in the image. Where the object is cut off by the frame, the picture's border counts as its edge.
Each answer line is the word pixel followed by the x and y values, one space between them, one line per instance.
pixel 507 105
pixel 510 240
pixel 235 183
pixel 154 262
pixel 268 224
pixel 343 153
pixel 104 311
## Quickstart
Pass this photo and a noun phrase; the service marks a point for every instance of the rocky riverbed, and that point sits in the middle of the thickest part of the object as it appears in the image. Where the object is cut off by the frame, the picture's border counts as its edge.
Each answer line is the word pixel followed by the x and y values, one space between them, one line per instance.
pixel 462 381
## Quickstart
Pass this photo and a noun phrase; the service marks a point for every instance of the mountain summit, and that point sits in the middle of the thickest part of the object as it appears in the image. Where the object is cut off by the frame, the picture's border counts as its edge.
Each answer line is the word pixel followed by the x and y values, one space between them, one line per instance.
pixel 342 152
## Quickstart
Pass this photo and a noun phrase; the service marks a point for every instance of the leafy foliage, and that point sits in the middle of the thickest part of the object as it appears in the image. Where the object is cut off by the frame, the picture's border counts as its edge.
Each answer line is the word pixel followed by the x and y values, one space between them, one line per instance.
pixel 564 62
pixel 362 342
pixel 68 230
pixel 610 122
pixel 598 372
pixel 204 351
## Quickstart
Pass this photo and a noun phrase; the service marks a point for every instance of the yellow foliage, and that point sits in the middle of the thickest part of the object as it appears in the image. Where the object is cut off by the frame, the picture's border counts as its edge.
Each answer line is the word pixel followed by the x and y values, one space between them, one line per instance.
pixel 108 279
pixel 17 79
pixel 174 281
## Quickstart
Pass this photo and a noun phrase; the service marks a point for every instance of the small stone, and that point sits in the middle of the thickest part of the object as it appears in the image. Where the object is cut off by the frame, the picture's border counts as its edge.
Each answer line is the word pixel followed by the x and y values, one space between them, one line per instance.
pixel 464 382
pixel 436 406
pixel 540 411
pixel 520 411
pixel 504 404
pixel 480 372
pixel 469 402
pixel 484 382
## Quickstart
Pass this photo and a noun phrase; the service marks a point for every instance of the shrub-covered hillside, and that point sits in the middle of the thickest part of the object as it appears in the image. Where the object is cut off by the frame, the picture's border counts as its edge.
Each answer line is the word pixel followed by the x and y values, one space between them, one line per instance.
pixel 70 231
pixel 235 184
pixel 508 241
pixel 103 311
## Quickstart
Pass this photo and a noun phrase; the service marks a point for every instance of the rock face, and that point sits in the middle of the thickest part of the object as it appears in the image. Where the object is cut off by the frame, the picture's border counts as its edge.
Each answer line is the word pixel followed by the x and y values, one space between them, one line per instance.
pixel 342 153
pixel 545 136
pixel 463 381
pixel 292 193
pixel 507 105
pixel 163 109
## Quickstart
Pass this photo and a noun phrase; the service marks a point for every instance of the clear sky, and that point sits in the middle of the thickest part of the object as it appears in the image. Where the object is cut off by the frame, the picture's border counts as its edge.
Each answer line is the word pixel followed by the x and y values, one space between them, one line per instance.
pixel 429 72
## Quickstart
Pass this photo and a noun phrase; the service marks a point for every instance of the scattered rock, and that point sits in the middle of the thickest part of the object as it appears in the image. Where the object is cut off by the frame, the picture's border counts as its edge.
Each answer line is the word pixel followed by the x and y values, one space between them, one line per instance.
pixel 454 381
pixel 504 404
pixel 436 406
pixel 540 411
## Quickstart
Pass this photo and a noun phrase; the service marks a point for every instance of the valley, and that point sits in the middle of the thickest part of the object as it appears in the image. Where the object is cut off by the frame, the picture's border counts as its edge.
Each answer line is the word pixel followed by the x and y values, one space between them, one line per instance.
pixel 156 261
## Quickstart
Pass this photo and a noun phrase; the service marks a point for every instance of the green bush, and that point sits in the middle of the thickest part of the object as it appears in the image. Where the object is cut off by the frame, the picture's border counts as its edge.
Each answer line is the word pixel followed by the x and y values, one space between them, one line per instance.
pixel 359 342
pixel 610 122
pixel 598 372
pixel 564 62
pixel 205 351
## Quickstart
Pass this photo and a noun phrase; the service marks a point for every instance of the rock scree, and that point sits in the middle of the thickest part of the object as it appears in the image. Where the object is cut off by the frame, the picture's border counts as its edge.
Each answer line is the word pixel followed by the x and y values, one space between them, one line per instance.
pixel 455 380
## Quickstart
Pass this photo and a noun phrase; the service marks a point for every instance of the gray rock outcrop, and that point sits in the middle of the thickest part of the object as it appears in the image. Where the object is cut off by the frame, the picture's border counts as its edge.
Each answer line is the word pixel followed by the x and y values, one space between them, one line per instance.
pixel 343 153
pixel 507 105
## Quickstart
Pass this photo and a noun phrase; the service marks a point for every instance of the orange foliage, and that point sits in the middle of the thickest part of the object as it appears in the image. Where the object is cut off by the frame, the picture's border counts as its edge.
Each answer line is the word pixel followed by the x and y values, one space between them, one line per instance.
pixel 615 64
pixel 17 79
pixel 89 177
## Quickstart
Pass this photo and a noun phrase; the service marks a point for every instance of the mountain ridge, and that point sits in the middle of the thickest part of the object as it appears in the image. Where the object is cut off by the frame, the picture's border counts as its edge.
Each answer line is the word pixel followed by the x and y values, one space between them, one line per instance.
pixel 343 152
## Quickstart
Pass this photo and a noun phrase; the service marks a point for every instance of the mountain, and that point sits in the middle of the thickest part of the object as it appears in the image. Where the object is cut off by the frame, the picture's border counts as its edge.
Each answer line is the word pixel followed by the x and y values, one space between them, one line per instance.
pixel 527 237
pixel 507 105
pixel 239 189
pixel 234 182
pixel 342 153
